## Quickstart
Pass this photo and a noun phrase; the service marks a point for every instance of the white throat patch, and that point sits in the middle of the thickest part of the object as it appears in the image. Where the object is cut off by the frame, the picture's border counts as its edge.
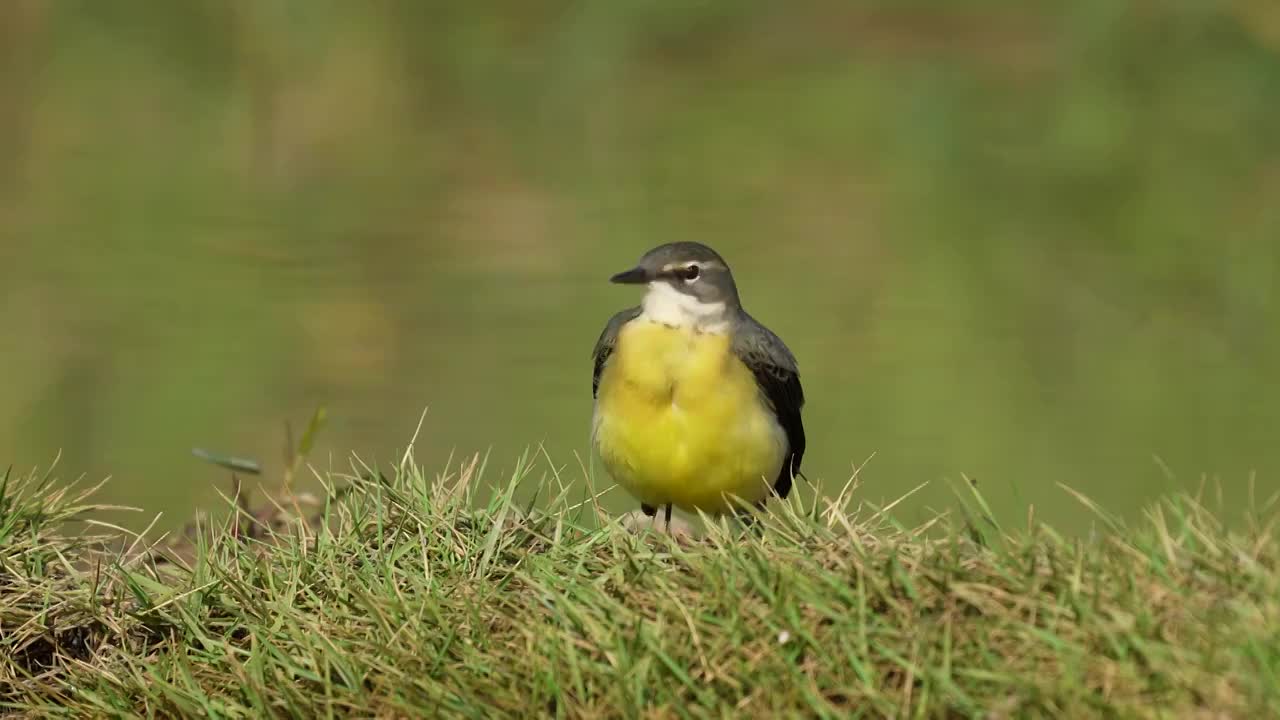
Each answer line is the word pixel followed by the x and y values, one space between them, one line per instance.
pixel 668 306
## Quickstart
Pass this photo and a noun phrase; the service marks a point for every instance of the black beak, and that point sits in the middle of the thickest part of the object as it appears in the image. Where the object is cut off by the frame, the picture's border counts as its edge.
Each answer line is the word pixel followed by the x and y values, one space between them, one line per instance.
pixel 634 276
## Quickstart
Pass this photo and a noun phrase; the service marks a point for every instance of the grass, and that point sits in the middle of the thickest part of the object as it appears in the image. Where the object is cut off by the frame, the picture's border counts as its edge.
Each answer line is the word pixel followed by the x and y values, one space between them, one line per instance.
pixel 407 595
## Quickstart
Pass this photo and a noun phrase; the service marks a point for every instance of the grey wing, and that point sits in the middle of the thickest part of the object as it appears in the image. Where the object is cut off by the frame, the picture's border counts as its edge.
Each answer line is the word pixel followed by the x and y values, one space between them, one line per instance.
pixel 778 377
pixel 604 345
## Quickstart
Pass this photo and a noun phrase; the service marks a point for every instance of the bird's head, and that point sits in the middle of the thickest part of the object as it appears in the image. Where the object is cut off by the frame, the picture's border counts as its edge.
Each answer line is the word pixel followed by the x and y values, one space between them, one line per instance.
pixel 690 285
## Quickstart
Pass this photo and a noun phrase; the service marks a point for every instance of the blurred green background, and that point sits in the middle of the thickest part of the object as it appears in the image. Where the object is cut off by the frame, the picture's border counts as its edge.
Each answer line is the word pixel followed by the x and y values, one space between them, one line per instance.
pixel 1030 241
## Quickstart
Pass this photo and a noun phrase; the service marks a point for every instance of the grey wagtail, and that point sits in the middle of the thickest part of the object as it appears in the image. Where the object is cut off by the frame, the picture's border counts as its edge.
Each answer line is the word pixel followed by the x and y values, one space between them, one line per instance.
pixel 696 403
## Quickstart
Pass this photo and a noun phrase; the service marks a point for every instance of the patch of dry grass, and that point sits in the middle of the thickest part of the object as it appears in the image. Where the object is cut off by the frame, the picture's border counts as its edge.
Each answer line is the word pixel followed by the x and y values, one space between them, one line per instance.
pixel 404 597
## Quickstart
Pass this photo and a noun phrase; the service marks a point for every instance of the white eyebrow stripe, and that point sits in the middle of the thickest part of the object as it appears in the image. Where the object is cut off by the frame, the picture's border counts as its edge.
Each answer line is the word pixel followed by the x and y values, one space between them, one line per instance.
pixel 712 264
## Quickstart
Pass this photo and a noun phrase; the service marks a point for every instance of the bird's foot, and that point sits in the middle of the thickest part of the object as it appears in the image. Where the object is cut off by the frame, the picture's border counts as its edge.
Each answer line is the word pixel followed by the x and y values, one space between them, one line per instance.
pixel 647 519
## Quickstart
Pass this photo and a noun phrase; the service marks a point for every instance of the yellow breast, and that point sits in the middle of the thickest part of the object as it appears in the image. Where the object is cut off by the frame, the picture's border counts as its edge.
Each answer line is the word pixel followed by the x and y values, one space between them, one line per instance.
pixel 679 419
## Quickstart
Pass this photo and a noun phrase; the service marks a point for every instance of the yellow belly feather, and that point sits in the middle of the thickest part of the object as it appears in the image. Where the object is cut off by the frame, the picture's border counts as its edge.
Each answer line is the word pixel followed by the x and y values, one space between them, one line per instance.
pixel 679 419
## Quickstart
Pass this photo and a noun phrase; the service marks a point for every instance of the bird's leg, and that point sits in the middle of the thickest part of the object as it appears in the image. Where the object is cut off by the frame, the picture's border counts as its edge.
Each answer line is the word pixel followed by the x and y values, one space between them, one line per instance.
pixel 750 522
pixel 667 517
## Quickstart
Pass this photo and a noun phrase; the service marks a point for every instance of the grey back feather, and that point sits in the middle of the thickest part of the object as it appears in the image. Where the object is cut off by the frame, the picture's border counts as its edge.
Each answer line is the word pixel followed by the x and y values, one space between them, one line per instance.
pixel 778 377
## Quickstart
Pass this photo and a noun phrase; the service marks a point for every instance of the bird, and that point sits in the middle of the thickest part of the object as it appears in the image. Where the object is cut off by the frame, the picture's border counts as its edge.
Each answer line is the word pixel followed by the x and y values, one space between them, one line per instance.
pixel 696 405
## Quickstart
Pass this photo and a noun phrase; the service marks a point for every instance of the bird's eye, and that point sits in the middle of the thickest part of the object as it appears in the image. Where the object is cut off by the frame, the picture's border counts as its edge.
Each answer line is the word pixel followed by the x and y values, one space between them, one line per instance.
pixel 692 272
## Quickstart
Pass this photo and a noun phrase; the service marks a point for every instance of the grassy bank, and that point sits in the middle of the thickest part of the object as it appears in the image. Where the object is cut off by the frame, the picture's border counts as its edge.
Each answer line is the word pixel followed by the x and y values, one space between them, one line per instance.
pixel 397 597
